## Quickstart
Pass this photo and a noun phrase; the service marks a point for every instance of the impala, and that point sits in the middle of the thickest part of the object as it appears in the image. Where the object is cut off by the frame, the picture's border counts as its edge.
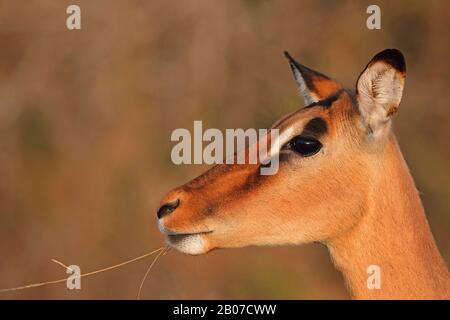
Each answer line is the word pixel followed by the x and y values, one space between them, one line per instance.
pixel 342 181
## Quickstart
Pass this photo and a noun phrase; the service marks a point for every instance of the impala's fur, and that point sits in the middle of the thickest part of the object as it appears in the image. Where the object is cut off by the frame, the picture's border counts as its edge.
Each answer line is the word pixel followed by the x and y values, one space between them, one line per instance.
pixel 356 195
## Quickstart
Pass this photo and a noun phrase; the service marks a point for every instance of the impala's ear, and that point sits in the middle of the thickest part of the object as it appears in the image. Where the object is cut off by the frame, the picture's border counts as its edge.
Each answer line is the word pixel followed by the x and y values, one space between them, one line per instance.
pixel 313 86
pixel 379 89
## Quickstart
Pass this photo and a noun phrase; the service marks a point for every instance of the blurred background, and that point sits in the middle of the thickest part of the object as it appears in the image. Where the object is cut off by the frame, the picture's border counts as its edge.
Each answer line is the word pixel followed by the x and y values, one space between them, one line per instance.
pixel 86 118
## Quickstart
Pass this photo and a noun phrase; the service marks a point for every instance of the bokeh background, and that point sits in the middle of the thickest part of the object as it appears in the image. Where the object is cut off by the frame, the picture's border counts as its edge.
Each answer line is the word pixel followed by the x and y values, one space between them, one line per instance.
pixel 86 118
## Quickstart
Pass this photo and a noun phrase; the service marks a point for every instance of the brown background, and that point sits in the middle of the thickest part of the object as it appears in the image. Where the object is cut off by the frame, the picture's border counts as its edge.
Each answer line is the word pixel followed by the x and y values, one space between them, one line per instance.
pixel 86 117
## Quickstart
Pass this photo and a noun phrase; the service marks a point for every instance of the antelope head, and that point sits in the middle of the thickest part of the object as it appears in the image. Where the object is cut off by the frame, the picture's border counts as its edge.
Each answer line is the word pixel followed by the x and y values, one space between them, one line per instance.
pixel 327 150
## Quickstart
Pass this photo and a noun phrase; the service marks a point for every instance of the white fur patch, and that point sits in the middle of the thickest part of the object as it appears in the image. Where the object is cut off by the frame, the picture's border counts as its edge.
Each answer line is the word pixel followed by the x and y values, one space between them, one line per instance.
pixel 189 244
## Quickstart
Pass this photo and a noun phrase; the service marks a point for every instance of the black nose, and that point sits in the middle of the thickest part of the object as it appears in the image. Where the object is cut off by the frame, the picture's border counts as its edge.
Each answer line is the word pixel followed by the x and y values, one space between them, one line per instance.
pixel 167 208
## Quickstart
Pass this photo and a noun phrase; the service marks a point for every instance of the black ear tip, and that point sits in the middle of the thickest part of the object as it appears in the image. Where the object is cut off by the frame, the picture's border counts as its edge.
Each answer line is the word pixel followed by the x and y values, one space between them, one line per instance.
pixel 287 55
pixel 392 56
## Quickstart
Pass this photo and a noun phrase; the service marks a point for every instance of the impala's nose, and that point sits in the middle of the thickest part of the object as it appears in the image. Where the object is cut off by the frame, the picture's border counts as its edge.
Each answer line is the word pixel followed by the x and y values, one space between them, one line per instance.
pixel 167 208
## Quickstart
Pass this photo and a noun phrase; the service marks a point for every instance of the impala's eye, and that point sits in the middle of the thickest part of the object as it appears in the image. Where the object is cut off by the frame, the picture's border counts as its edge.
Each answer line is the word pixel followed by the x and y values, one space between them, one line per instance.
pixel 304 146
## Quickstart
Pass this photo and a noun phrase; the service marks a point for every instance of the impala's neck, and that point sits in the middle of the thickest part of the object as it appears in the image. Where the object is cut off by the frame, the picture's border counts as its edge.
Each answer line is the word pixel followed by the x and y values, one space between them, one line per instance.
pixel 394 235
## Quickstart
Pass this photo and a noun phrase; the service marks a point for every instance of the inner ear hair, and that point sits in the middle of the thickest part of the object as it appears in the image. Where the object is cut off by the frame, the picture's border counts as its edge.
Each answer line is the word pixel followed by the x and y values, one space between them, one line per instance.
pixel 380 88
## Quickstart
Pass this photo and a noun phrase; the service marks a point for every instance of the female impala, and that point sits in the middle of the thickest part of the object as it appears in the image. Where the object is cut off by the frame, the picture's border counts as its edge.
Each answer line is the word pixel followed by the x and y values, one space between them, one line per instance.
pixel 342 181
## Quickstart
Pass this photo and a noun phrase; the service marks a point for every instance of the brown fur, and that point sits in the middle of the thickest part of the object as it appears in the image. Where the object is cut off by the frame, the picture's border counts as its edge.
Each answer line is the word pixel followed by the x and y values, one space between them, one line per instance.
pixel 356 196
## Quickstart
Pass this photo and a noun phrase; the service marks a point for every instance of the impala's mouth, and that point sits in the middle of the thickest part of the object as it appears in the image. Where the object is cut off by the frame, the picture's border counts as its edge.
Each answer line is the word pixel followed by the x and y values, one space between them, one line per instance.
pixel 186 242
pixel 184 234
pixel 179 237
pixel 190 243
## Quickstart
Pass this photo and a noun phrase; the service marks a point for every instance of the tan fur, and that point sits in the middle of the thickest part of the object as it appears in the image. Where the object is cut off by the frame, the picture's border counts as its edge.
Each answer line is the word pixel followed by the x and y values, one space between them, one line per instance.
pixel 393 234
pixel 356 196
